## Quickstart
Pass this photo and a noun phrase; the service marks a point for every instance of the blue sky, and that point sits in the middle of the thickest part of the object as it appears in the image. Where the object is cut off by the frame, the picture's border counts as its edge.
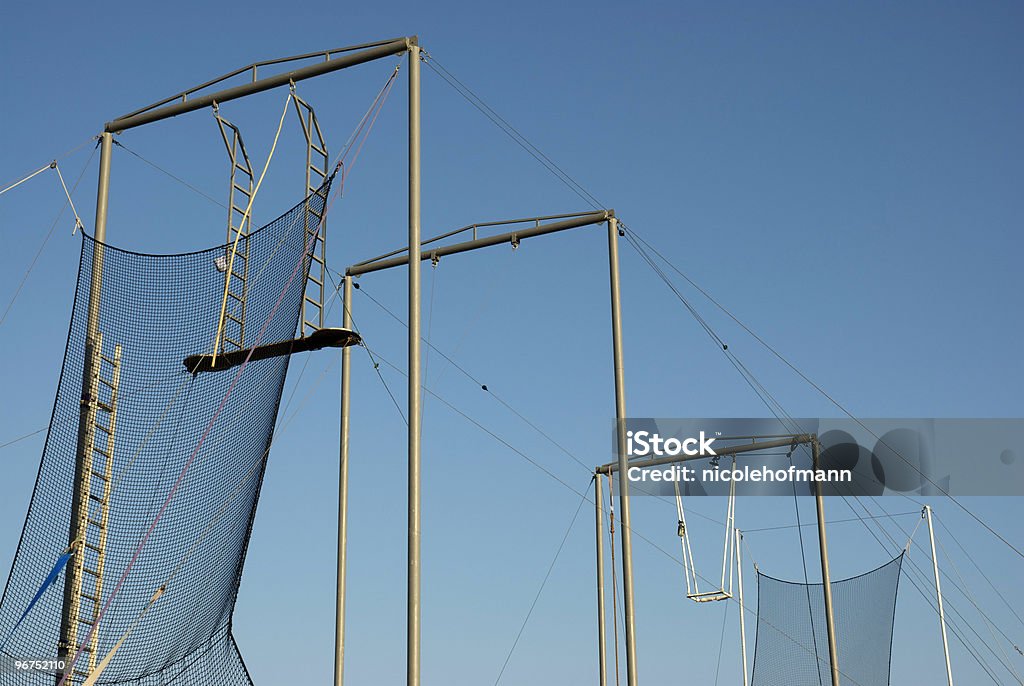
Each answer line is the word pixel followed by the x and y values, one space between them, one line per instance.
pixel 844 177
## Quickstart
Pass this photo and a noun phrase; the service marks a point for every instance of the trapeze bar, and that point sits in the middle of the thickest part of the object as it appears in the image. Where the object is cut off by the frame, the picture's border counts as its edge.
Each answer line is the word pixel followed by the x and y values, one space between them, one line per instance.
pixel 319 339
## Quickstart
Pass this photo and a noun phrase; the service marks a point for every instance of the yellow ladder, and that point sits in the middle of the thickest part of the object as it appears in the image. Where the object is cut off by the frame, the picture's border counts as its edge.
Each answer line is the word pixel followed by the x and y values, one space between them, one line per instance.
pixel 239 196
pixel 317 161
pixel 92 515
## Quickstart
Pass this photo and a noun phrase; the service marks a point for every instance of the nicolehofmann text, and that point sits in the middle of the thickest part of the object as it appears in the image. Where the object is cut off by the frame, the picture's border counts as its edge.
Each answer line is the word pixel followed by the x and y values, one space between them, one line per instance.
pixel 744 473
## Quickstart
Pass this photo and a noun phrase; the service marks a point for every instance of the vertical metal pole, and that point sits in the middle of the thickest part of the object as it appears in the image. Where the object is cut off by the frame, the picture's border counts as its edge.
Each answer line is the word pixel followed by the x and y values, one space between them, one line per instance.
pixel 620 422
pixel 72 579
pixel 743 625
pixel 938 594
pixel 413 618
pixel 826 580
pixel 339 617
pixel 602 659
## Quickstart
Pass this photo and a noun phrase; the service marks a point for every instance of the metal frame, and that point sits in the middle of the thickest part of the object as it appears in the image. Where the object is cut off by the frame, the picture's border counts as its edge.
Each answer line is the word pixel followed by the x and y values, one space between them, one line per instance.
pixel 317 163
pixel 567 221
pixel 189 101
pixel 621 466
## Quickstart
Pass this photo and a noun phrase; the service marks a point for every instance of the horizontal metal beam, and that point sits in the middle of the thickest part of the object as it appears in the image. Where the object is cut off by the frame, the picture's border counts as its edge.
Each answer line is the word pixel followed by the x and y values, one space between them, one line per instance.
pixel 729 450
pixel 394 47
pixel 466 246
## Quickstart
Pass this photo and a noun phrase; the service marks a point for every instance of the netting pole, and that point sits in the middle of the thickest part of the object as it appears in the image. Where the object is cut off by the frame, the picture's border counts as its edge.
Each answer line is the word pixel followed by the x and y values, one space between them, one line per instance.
pixel 826 580
pixel 602 659
pixel 415 418
pixel 738 536
pixel 938 594
pixel 339 617
pixel 620 426
pixel 76 530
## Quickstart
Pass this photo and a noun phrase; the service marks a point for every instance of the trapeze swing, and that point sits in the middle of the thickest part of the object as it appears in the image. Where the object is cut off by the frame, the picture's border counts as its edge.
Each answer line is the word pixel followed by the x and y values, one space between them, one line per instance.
pixel 725 588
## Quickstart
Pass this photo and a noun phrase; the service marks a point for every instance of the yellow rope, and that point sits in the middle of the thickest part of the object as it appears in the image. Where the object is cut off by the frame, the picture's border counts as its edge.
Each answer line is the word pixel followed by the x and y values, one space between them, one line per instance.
pixel 105 662
pixel 238 235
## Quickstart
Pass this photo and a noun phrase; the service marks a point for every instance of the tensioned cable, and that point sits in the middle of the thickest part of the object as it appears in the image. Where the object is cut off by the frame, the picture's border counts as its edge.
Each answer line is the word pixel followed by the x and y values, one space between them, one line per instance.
pixel 583 193
pixel 632 530
pixel 774 406
pixel 949 532
pixel 565 178
pixel 486 388
pixel 824 393
pixel 833 521
pixel 513 133
pixel 49 234
pixel 171 175
pixel 988 622
pixel 48 165
pixel 543 583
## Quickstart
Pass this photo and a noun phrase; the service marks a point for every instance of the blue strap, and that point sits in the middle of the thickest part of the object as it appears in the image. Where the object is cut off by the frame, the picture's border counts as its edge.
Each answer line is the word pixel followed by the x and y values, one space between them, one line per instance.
pixel 50 579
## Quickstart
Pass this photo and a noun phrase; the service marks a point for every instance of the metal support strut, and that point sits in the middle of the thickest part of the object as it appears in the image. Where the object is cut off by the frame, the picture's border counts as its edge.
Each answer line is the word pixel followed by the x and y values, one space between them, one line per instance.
pixel 90 505
pixel 938 595
pixel 826 580
pixel 620 425
pixel 415 417
pixel 346 381
pixel 241 183
pixel 317 161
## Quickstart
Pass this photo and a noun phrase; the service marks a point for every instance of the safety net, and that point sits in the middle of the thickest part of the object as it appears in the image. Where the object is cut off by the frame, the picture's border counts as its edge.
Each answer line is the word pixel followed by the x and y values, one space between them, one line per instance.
pixel 792 638
pixel 175 462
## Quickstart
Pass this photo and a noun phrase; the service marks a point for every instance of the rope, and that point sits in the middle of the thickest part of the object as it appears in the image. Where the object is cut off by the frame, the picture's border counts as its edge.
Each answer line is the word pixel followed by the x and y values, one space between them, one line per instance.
pixel 376 107
pixel 173 176
pixel 540 590
pixel 238 235
pixel 988 622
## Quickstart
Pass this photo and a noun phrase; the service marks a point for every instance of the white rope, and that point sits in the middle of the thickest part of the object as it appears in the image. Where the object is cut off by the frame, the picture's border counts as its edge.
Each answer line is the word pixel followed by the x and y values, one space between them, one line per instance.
pixel 78 220
pixel 37 172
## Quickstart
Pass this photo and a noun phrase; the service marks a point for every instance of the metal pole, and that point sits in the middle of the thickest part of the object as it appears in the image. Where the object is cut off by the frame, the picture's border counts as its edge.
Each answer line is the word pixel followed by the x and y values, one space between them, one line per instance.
pixel 620 423
pixel 72 579
pixel 339 617
pixel 826 580
pixel 395 47
pixel 602 659
pixel 938 594
pixel 743 624
pixel 413 618
pixel 380 264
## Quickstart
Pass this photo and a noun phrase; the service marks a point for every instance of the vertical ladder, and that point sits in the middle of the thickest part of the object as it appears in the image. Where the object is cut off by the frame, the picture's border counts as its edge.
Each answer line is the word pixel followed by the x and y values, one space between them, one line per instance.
pixel 239 226
pixel 91 522
pixel 317 161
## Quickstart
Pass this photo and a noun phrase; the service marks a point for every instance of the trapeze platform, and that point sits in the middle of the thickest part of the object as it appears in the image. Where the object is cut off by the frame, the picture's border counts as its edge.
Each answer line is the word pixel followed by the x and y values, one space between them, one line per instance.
pixel 319 339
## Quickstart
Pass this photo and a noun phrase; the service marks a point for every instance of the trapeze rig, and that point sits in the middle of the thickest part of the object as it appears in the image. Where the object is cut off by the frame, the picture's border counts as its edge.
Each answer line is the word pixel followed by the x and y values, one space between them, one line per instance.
pixel 730 554
pixel 87 533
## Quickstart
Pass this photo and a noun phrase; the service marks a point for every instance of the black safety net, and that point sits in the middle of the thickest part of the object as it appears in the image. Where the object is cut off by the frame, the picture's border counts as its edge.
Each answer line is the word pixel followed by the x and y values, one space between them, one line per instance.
pixel 792 638
pixel 175 506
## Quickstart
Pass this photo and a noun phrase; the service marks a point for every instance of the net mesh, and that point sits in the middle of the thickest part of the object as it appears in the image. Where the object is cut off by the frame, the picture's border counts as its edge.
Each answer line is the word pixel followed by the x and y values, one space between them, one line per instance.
pixel 161 309
pixel 791 648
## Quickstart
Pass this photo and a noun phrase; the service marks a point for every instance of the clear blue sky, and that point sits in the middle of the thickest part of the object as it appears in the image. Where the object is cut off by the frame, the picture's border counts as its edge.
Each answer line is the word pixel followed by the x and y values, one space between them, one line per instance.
pixel 845 177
